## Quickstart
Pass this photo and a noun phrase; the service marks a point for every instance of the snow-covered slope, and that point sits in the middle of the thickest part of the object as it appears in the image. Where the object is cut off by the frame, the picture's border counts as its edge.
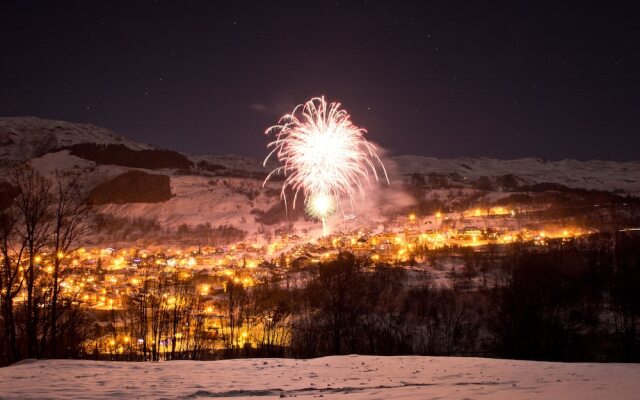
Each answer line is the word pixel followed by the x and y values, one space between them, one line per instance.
pixel 197 199
pixel 22 138
pixel 234 162
pixel 593 174
pixel 225 189
pixel 348 377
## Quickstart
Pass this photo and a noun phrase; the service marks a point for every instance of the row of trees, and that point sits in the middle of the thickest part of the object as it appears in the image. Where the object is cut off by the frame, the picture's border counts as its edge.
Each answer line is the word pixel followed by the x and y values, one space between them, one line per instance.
pixel 37 230
pixel 575 301
pixel 571 301
pixel 166 316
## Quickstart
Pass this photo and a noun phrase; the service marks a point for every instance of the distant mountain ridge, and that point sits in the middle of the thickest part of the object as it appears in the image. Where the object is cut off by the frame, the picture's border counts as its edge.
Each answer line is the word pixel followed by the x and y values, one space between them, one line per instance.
pixel 23 138
pixel 593 174
pixel 229 190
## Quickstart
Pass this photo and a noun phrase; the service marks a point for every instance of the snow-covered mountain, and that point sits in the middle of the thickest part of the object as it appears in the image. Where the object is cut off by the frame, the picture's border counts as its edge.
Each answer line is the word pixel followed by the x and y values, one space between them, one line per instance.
pixel 228 189
pixel 235 162
pixel 22 138
pixel 593 174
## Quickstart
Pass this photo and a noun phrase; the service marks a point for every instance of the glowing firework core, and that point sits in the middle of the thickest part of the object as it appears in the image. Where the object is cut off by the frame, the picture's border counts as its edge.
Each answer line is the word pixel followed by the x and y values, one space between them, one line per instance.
pixel 321 206
pixel 323 154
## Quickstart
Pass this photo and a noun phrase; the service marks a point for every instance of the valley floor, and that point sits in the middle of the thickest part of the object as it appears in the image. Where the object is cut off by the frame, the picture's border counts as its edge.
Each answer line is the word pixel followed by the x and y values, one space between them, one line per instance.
pixel 350 377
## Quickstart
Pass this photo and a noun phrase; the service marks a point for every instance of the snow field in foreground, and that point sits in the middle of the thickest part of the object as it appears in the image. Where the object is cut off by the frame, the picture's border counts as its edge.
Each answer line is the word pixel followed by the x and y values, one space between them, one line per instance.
pixel 351 377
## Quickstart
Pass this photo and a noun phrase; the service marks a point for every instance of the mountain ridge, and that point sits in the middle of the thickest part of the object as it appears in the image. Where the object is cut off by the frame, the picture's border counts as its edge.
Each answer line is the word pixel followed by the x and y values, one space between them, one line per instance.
pixel 230 189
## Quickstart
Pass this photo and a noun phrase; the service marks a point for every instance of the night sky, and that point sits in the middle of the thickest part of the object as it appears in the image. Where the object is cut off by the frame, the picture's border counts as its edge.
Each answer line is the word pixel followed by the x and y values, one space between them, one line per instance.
pixel 543 79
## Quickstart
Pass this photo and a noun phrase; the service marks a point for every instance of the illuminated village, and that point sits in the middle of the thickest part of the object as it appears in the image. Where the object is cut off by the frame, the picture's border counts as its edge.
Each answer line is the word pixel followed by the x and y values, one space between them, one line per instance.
pixel 100 280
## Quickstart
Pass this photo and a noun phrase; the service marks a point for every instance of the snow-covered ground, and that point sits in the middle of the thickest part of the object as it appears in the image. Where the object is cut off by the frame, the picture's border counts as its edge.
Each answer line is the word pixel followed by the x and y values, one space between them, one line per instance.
pixel 349 377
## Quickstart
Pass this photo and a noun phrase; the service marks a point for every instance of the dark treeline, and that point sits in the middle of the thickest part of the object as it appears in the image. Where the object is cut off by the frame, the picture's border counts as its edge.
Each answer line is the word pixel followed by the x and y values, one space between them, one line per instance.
pixel 119 154
pixel 574 301
pixel 39 228
pixel 568 301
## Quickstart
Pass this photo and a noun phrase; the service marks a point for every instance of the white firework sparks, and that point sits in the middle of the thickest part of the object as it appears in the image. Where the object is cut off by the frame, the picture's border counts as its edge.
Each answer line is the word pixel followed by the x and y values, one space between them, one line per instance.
pixel 320 206
pixel 324 155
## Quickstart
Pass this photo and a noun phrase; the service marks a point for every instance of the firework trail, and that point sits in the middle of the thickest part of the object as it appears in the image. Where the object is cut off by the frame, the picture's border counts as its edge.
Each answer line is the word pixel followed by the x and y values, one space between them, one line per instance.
pixel 324 155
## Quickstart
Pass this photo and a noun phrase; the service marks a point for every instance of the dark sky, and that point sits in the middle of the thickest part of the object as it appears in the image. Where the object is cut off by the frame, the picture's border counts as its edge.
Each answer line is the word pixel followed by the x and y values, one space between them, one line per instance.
pixel 554 79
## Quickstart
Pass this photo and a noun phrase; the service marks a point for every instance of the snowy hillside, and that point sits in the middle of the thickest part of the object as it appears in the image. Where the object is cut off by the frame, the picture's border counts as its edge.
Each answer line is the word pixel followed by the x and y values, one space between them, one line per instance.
pixel 23 138
pixel 349 377
pixel 219 201
pixel 234 162
pixel 593 174
pixel 227 189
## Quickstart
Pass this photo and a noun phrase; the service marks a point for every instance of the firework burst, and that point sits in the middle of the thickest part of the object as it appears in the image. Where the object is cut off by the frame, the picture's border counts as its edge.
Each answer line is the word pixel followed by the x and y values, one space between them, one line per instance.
pixel 323 155
pixel 320 206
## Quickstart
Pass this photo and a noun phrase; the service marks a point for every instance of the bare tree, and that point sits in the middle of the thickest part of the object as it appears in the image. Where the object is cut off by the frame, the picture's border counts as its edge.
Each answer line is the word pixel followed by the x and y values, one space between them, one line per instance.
pixel 70 214
pixel 33 204
pixel 236 301
pixel 12 247
pixel 273 311
pixel 337 293
pixel 180 304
